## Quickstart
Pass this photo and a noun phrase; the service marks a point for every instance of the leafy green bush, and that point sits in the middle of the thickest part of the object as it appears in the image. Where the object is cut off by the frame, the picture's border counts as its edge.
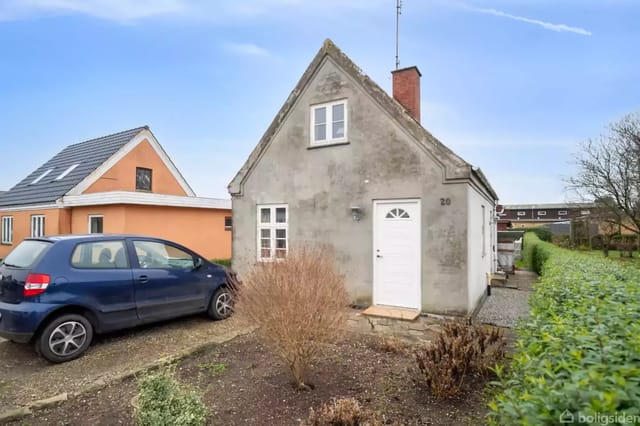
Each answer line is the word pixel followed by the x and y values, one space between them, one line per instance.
pixel 542 232
pixel 223 262
pixel 162 401
pixel 579 350
pixel 535 252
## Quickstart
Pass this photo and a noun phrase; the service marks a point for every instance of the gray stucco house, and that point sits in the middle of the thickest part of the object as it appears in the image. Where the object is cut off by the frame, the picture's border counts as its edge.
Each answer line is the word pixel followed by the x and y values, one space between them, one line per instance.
pixel 343 163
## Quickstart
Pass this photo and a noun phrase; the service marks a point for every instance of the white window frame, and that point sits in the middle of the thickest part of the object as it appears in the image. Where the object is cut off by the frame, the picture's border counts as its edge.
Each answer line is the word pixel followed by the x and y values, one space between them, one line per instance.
pixel 42 176
pixel 484 232
pixel 522 213
pixel 542 212
pixel 273 226
pixel 94 216
pixel 67 171
pixel 38 224
pixel 7 230
pixel 562 213
pixel 328 123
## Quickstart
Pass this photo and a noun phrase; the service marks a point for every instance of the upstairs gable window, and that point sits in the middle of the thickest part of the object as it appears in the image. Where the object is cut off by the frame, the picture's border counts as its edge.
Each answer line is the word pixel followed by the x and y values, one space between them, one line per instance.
pixel 329 123
pixel 143 179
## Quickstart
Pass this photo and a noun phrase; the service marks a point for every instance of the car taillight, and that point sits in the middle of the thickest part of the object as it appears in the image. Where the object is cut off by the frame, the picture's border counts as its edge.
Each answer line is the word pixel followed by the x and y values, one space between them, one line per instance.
pixel 36 284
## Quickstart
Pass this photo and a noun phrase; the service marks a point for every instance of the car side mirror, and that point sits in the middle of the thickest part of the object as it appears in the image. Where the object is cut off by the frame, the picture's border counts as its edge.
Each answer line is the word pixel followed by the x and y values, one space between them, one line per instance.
pixel 198 263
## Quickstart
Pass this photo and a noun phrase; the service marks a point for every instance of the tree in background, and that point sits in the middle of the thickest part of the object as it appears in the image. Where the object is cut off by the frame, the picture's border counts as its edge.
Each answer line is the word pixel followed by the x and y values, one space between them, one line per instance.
pixel 609 172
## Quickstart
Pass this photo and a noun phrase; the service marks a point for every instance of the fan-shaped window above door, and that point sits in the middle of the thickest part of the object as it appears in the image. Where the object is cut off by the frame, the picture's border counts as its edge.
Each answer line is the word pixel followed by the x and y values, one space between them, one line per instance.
pixel 397 214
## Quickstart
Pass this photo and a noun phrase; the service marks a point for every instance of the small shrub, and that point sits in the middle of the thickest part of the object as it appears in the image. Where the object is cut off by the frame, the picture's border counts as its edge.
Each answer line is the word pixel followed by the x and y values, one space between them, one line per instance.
pixel 162 401
pixel 213 368
pixel 392 345
pixel 460 350
pixel 298 303
pixel 342 412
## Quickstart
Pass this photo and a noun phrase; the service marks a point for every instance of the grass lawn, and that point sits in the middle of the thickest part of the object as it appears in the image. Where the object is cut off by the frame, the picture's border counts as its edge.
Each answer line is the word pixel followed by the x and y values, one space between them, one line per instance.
pixel 242 383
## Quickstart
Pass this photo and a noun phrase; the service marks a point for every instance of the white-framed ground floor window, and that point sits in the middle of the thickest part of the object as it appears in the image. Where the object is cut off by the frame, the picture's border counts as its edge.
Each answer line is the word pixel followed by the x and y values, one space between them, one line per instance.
pixel 273 232
pixel 37 225
pixel 96 223
pixel 7 229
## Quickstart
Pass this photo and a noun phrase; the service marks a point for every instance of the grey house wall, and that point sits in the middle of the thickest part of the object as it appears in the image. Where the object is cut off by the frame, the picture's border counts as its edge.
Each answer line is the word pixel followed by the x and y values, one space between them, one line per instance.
pixel 380 161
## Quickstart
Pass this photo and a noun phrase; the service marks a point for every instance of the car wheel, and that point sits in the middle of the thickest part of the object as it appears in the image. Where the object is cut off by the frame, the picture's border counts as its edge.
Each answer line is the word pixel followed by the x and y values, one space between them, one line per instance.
pixel 221 305
pixel 65 338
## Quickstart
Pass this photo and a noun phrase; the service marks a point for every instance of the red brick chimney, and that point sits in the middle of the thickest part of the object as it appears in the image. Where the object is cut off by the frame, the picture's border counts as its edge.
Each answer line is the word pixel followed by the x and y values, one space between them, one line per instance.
pixel 406 89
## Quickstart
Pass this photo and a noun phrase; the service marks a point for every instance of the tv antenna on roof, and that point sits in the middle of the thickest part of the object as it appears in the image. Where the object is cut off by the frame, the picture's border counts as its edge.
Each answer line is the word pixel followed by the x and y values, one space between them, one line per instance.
pixel 398 13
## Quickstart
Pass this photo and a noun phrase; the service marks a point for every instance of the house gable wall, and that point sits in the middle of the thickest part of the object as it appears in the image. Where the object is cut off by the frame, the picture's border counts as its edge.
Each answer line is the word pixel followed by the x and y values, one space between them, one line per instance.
pixel 122 176
pixel 320 185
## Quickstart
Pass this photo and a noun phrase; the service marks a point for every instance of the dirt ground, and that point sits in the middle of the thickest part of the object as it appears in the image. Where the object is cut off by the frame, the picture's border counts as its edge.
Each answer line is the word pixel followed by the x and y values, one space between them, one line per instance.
pixel 244 384
pixel 25 377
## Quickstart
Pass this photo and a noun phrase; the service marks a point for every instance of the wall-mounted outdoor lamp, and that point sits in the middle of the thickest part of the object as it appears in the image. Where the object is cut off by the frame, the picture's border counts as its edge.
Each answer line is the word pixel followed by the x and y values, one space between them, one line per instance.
pixel 356 213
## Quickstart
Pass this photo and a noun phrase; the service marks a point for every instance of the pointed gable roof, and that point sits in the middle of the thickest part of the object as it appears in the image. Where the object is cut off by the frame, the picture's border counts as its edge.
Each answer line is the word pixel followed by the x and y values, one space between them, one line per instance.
pixel 89 155
pixel 455 168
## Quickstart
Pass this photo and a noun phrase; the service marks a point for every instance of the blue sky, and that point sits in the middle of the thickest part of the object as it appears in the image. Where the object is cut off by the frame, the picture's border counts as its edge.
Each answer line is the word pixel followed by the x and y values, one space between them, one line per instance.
pixel 511 86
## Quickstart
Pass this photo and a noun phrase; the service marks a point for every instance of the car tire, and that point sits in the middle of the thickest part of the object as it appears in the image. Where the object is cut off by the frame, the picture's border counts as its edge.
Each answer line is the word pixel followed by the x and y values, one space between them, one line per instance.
pixel 65 338
pixel 221 305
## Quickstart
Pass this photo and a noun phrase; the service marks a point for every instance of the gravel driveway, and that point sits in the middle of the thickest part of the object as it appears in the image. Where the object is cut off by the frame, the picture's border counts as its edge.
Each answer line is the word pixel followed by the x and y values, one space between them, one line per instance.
pixel 25 378
pixel 506 305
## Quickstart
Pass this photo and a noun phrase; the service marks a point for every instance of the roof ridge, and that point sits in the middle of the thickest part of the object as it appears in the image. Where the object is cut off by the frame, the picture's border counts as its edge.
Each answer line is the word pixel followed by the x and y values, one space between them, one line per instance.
pixel 455 167
pixel 140 128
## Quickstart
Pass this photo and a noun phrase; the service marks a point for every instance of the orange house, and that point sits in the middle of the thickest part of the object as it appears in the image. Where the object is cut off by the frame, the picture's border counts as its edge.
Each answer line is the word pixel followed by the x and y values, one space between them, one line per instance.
pixel 120 183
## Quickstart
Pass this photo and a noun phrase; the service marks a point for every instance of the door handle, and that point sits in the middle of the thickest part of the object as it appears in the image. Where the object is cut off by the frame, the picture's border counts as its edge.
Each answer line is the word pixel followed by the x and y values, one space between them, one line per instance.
pixel 143 279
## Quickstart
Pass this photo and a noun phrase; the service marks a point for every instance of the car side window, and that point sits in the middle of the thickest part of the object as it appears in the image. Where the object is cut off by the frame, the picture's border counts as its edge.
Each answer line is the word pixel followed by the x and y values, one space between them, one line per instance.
pixel 157 255
pixel 100 255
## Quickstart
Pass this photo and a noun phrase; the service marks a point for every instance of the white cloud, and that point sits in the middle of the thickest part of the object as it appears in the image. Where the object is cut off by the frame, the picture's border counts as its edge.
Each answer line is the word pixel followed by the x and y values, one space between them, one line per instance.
pixel 546 25
pixel 116 10
pixel 247 49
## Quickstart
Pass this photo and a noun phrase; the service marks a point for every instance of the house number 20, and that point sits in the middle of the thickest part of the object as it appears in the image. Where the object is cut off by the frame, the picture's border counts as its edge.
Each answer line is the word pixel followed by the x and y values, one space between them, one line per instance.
pixel 445 201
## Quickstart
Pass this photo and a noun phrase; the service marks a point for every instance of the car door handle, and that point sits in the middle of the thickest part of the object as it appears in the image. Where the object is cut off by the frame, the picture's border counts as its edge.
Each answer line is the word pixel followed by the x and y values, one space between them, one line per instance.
pixel 143 279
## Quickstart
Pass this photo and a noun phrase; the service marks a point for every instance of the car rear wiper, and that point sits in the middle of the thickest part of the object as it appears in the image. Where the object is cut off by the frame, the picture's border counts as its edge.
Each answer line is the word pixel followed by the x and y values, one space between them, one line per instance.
pixel 10 265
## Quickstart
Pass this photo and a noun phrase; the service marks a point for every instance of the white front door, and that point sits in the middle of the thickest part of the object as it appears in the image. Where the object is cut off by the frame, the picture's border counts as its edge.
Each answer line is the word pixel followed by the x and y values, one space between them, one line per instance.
pixel 396 253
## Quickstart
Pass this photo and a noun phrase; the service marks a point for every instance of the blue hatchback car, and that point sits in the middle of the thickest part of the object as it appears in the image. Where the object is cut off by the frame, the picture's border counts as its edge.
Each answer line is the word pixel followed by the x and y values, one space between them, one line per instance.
pixel 57 292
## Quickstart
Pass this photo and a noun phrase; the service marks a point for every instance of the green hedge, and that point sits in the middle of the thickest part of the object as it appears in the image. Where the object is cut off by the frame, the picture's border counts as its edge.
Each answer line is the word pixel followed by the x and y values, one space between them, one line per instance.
pixel 543 232
pixel 580 348
pixel 223 262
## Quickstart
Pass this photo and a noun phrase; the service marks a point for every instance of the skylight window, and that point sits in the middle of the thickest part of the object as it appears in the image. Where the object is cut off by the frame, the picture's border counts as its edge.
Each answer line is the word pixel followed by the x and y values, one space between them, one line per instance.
pixel 66 172
pixel 42 176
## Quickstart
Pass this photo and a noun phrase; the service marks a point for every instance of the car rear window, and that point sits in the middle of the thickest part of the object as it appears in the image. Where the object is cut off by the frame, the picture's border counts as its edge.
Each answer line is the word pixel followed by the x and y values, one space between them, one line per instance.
pixel 26 254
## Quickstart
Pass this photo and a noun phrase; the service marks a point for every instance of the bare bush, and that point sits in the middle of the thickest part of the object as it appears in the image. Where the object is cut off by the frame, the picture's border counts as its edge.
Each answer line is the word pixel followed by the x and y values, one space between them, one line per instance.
pixel 461 349
pixel 342 412
pixel 392 345
pixel 298 304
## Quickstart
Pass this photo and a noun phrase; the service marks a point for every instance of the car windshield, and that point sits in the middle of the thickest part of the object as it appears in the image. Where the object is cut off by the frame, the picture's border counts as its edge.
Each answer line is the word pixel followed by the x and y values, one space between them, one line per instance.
pixel 26 254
